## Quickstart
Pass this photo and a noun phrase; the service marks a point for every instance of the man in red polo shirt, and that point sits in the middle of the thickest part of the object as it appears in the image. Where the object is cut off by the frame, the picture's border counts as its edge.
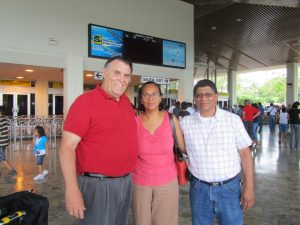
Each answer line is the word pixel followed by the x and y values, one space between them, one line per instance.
pixel 249 114
pixel 99 149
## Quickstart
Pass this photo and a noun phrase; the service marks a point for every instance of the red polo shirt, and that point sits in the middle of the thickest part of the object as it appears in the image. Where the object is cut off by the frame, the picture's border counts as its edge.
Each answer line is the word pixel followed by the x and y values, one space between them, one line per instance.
pixel 108 133
pixel 250 111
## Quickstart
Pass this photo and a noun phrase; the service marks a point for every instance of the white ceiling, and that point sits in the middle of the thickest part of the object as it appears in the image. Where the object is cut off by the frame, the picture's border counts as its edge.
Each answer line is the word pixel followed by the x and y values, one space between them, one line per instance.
pixel 10 71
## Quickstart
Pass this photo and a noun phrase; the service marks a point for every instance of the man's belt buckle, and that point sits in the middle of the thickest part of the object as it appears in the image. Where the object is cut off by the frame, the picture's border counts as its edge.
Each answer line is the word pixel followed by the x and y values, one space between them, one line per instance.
pixel 215 184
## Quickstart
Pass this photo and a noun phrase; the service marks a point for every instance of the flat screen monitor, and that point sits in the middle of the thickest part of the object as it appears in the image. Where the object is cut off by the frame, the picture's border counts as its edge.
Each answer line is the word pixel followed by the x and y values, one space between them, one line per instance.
pixel 105 42
pixel 143 49
pixel 174 54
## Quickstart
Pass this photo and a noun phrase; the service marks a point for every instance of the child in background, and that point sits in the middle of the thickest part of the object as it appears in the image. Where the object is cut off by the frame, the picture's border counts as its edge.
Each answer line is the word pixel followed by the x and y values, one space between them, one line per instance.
pixel 283 125
pixel 40 147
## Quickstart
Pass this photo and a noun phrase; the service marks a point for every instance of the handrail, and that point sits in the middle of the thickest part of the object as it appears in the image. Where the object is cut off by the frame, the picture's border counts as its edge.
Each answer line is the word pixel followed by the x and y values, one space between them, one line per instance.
pixel 21 127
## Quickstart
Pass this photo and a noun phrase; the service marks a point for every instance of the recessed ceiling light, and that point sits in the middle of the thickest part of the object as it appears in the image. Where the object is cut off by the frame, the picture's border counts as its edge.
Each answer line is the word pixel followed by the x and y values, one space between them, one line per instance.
pixel 213 28
pixel 89 75
pixel 238 19
pixel 20 77
pixel 29 70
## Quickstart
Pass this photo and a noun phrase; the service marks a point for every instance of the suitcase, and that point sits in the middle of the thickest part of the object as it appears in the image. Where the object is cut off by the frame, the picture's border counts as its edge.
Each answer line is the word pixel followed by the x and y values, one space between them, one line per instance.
pixel 24 208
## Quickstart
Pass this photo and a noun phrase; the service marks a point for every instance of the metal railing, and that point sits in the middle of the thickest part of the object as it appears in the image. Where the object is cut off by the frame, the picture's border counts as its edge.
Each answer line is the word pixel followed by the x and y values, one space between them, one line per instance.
pixel 22 127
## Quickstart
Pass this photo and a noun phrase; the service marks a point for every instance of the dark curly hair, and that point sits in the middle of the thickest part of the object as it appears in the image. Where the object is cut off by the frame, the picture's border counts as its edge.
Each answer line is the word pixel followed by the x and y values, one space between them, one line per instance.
pixel 141 108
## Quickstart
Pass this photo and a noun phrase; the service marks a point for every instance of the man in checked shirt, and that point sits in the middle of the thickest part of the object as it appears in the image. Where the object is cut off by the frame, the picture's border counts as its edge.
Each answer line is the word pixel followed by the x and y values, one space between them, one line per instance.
pixel 217 145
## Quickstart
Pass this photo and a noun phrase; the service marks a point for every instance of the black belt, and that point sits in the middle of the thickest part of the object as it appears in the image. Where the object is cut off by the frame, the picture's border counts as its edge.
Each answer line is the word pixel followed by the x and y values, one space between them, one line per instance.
pixel 101 176
pixel 218 183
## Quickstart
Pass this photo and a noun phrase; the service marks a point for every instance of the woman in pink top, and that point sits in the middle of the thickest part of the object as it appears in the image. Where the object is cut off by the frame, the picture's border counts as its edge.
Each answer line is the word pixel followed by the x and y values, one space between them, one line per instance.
pixel 155 189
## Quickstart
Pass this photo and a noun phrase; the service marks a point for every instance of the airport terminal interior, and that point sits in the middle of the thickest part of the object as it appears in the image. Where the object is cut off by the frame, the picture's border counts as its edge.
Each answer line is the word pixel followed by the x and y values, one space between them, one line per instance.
pixel 277 188
pixel 38 82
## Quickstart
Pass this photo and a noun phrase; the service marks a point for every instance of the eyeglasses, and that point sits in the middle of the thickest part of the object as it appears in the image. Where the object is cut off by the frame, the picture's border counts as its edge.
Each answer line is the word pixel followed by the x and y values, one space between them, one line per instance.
pixel 204 95
pixel 153 95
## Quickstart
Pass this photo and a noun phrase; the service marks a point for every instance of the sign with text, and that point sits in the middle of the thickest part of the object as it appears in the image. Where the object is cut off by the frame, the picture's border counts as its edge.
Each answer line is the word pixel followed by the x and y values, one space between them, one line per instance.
pixel 158 80
pixel 15 83
pixel 98 76
pixel 58 85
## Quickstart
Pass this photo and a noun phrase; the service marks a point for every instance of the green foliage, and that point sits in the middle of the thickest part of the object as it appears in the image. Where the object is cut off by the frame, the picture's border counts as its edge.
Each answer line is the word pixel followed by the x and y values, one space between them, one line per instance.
pixel 222 83
pixel 271 91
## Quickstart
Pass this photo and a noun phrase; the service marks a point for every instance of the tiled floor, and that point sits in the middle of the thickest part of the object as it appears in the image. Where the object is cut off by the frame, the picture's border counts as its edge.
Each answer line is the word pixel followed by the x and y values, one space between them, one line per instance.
pixel 277 189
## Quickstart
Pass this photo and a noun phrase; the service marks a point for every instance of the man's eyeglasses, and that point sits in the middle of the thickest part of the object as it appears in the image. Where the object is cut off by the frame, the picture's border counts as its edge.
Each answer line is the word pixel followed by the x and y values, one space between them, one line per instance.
pixel 153 95
pixel 204 95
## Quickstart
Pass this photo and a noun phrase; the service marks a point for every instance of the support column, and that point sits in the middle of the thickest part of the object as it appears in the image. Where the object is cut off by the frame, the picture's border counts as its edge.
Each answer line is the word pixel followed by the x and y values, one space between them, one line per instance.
pixel 28 104
pixel 73 81
pixel 291 82
pixel 231 79
pixel 185 87
pixel 41 98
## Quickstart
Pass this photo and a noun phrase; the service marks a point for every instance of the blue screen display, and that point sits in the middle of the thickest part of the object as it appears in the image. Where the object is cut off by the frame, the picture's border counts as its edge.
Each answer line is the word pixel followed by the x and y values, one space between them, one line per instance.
pixel 105 42
pixel 173 53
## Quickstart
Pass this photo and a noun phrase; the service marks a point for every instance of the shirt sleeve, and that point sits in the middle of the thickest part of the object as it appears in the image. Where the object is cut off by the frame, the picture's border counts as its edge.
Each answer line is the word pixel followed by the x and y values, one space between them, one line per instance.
pixel 242 138
pixel 78 117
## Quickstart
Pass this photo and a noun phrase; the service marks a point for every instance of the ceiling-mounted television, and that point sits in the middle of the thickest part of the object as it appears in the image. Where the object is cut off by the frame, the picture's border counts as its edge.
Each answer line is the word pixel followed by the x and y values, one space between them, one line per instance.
pixel 106 42
pixel 143 49
pixel 173 54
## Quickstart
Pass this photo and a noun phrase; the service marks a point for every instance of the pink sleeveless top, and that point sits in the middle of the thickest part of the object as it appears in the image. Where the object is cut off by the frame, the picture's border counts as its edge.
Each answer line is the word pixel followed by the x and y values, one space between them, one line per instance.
pixel 155 165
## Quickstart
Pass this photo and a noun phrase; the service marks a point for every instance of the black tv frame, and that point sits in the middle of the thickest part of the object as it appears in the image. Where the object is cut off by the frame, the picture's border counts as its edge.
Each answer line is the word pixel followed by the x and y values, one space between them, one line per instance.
pixel 141 35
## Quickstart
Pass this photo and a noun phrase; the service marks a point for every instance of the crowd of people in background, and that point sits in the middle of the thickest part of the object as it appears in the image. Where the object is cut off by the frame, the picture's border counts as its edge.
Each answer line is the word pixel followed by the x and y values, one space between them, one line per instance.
pixel 254 115
pixel 287 117
pixel 182 109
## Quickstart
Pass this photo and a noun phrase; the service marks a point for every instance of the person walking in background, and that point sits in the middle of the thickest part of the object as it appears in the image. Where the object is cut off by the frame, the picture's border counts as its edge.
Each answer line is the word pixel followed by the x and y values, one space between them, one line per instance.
pixel 294 116
pixel 172 107
pixel 190 108
pixel 249 114
pixel 155 189
pixel 261 117
pixel 283 125
pixel 271 111
pixel 177 109
pixel 235 109
pixel 4 140
pixel 40 143
pixel 218 148
pixel 255 125
pixel 99 149
pixel 183 111
pixel 240 111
